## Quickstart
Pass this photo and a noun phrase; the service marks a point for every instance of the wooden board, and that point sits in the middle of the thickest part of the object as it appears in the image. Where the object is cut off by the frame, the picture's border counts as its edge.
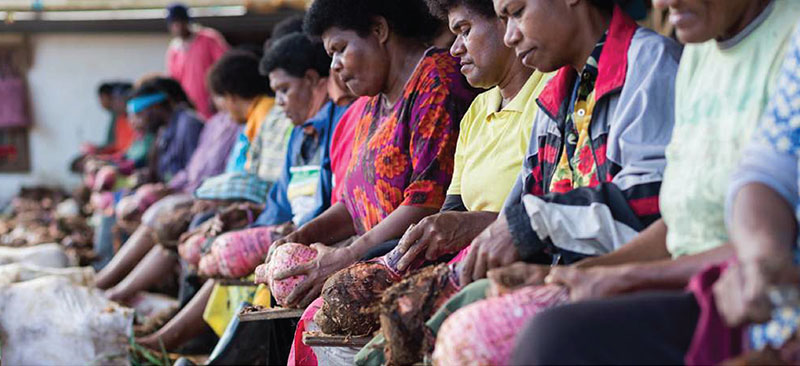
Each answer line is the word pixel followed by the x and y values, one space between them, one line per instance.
pixel 271 314
pixel 236 282
pixel 318 339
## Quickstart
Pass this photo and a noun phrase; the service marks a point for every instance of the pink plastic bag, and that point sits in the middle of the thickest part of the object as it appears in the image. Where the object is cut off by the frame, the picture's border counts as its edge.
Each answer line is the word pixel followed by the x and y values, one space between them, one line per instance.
pixel 237 254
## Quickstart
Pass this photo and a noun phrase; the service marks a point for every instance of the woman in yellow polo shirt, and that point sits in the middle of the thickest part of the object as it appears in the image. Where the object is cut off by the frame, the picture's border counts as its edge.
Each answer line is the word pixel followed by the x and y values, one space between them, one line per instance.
pixel 494 135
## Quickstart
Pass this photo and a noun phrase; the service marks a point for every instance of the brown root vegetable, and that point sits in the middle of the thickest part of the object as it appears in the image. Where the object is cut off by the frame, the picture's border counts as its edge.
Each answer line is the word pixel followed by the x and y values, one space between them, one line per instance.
pixel 169 227
pixel 350 298
pixel 404 309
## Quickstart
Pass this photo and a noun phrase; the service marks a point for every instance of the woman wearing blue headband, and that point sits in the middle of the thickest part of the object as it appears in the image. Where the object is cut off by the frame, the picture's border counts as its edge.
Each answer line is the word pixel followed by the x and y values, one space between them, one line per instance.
pixel 158 106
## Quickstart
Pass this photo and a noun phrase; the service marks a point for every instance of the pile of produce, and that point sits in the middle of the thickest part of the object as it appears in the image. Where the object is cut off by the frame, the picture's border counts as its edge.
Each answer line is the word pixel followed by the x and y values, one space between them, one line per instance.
pixel 43 215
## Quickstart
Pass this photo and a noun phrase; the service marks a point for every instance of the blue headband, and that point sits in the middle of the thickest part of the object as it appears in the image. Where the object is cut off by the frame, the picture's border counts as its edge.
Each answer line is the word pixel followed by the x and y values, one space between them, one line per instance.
pixel 141 103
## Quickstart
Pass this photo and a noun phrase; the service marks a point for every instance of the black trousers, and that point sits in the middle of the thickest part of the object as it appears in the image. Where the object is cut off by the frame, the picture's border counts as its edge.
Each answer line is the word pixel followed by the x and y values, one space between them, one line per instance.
pixel 645 328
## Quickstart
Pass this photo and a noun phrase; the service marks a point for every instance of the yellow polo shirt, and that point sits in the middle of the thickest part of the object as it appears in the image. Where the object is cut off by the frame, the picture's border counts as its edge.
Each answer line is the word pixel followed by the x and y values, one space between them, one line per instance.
pixel 492 143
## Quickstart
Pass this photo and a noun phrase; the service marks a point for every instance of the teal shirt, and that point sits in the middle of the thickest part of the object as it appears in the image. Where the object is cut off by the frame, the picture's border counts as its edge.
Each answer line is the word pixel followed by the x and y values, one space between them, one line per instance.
pixel 139 150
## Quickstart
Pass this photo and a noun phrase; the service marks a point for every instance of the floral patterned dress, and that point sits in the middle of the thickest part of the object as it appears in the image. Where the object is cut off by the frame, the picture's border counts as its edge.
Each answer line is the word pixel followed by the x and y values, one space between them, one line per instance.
pixel 403 154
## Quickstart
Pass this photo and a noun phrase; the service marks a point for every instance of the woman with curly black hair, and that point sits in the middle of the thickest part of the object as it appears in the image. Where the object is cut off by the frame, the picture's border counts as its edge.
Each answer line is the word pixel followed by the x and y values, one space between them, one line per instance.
pixel 403 149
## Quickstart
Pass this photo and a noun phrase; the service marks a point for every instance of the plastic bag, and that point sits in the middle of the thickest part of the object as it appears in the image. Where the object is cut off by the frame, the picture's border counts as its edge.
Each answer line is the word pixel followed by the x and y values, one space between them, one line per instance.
pixel 52 321
pixel 21 272
pixel 236 254
pixel 45 255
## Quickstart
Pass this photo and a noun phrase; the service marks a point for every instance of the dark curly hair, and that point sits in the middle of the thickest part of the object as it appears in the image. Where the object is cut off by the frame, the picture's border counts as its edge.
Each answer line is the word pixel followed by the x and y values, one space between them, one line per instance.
pixel 296 53
pixel 287 26
pixel 105 88
pixel 114 88
pixel 169 86
pixel 440 8
pixel 407 18
pixel 236 73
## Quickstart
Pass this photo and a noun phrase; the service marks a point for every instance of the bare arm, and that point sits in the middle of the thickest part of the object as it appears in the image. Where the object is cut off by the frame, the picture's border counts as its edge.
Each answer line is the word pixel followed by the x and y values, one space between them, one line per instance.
pixel 760 216
pixel 763 231
pixel 392 227
pixel 331 227
pixel 650 245
pixel 644 263
pixel 763 226
pixel 672 273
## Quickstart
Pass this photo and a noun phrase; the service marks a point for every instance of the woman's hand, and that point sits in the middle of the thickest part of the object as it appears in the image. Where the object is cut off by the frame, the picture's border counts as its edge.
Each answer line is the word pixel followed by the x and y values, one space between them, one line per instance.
pixel 440 234
pixel 507 279
pixel 591 283
pixel 234 217
pixel 493 248
pixel 742 292
pixel 328 261
pixel 288 235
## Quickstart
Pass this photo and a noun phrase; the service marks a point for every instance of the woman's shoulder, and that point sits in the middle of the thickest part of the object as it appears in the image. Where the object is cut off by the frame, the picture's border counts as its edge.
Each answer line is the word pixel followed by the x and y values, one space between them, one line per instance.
pixel 649 47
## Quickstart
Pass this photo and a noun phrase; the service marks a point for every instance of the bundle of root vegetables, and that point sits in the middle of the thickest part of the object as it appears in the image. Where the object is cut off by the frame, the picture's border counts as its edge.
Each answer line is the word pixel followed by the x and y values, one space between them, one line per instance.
pixel 44 215
pixel 371 296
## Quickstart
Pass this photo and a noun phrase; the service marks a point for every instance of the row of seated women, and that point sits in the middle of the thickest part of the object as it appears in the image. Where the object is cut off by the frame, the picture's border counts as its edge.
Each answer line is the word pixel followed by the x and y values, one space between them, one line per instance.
pixel 600 166
pixel 280 160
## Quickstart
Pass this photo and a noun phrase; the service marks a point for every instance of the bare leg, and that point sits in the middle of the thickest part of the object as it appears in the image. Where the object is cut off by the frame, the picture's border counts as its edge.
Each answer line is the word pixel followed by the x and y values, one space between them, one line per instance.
pixel 187 324
pixel 126 259
pixel 156 265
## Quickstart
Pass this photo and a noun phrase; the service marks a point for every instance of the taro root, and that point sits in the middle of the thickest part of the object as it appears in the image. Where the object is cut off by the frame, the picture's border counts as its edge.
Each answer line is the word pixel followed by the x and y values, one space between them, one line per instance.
pixel 350 298
pixel 191 249
pixel 283 258
pixel 406 306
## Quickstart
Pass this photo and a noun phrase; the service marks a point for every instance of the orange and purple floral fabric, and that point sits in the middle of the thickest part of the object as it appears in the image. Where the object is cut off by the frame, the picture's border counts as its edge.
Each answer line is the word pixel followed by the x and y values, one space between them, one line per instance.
pixel 403 154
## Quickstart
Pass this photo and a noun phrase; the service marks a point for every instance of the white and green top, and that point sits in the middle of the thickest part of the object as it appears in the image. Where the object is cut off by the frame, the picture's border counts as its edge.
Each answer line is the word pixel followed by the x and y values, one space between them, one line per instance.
pixel 721 90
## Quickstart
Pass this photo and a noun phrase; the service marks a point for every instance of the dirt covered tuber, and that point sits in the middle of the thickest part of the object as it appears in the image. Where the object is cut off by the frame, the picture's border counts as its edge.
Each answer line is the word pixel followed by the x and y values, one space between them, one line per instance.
pixel 406 306
pixel 350 298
